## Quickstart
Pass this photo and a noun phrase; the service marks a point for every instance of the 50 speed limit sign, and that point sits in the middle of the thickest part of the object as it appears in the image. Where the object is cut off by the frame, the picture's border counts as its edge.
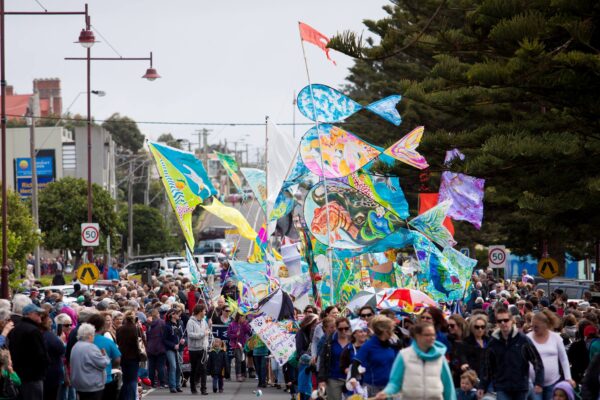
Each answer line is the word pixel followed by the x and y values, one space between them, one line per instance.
pixel 90 234
pixel 497 256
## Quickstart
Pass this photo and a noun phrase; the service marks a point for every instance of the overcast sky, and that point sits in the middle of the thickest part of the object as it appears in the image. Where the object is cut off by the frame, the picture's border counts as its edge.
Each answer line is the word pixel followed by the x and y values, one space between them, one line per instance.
pixel 220 61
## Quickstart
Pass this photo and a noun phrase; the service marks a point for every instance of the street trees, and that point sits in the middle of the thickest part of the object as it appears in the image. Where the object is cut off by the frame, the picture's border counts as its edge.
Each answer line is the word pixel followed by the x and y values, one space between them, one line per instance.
pixel 125 132
pixel 512 84
pixel 149 231
pixel 62 209
pixel 22 237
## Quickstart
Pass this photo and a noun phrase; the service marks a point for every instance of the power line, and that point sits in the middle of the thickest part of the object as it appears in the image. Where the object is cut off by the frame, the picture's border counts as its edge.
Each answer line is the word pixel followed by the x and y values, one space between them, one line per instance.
pixel 167 122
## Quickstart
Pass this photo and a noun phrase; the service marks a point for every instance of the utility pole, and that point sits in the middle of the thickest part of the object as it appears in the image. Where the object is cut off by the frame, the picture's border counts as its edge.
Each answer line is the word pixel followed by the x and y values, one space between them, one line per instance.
pixel 257 157
pixel 33 113
pixel 147 191
pixel 130 207
pixel 247 155
pixel 205 133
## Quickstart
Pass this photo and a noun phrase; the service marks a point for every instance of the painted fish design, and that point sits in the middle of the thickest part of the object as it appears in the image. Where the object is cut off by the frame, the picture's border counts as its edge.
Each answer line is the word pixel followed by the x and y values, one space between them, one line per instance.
pixel 357 221
pixel 333 152
pixel 333 106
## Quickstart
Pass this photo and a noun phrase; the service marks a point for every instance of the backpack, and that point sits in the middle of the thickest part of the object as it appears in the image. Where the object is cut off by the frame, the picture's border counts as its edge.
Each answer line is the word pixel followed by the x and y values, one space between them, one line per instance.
pixel 8 389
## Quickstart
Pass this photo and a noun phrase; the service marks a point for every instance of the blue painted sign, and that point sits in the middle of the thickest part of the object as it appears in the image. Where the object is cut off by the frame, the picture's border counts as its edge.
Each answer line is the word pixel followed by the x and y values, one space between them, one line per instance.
pixel 44 166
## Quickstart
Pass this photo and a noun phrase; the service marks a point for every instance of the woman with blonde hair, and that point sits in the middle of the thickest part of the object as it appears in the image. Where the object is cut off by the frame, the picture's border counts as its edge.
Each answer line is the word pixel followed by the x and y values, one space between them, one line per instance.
pixel 550 346
pixel 475 344
pixel 376 356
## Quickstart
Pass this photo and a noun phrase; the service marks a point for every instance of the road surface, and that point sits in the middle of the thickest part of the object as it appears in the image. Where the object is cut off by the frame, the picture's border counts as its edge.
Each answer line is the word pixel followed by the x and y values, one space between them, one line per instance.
pixel 232 390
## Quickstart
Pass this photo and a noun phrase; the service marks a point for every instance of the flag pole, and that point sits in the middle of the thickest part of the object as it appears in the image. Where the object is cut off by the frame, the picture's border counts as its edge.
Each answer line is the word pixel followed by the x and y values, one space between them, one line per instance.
pixel 329 249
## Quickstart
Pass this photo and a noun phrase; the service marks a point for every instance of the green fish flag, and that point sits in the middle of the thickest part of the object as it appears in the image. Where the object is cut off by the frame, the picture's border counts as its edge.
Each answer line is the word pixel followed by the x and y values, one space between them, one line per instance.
pixel 233 171
pixel 186 182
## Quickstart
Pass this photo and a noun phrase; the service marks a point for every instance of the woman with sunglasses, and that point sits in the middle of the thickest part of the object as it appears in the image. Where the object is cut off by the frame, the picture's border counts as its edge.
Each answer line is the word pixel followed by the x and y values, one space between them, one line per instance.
pixel 475 344
pixel 457 328
pixel 330 375
pixel 366 312
pixel 436 317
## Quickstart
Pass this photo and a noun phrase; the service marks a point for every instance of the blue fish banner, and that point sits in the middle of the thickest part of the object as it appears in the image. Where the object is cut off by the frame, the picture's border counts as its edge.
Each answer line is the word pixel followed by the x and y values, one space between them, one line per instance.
pixel 189 166
pixel 333 106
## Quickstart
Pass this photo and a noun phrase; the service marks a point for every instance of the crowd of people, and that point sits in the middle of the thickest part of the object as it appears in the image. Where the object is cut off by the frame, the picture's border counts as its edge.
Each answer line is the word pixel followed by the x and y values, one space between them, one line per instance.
pixel 114 343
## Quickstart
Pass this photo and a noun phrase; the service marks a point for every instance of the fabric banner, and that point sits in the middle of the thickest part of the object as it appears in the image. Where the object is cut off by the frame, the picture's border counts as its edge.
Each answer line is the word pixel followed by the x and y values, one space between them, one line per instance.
pixel 463 265
pixel 311 35
pixel 278 336
pixel 233 216
pixel 257 179
pixel 281 151
pixel 194 272
pixel 180 194
pixel 231 167
pixel 466 193
pixel 430 200
pixel 430 223
pixel 385 190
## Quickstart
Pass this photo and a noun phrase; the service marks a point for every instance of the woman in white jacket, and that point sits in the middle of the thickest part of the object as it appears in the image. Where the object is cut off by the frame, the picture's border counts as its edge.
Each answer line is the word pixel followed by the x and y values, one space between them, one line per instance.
pixel 198 332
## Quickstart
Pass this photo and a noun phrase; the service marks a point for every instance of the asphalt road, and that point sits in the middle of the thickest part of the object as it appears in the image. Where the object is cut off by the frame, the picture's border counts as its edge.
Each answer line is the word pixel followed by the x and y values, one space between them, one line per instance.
pixel 232 390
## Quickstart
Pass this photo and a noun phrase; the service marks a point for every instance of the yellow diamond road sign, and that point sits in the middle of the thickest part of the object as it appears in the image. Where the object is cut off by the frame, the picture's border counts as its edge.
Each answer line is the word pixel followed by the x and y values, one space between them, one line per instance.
pixel 548 268
pixel 88 274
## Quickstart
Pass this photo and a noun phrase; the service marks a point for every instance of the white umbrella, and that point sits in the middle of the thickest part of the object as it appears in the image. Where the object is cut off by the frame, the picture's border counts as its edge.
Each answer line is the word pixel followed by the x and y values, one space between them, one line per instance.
pixel 369 296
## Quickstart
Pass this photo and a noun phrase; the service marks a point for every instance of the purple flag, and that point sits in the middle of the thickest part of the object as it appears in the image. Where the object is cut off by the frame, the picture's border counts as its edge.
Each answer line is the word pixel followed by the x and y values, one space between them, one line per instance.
pixel 466 193
pixel 451 155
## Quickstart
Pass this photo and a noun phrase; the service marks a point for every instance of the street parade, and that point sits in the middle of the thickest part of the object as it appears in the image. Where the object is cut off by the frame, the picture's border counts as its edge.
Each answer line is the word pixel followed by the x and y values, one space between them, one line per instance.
pixel 425 227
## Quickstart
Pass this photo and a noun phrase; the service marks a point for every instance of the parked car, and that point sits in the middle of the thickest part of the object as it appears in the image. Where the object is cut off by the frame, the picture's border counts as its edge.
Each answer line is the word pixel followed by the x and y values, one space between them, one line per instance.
pixel 214 246
pixel 157 264
pixel 574 290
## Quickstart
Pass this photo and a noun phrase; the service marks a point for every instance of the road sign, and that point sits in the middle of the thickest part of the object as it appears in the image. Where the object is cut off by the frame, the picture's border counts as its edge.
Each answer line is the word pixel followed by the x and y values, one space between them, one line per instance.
pixel 547 268
pixel 90 234
pixel 466 251
pixel 88 274
pixel 497 256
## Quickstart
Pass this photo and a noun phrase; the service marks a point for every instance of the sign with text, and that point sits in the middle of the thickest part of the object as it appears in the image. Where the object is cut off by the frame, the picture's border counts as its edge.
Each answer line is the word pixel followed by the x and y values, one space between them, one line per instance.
pixel 278 336
pixel 90 234
pixel 497 256
pixel 23 174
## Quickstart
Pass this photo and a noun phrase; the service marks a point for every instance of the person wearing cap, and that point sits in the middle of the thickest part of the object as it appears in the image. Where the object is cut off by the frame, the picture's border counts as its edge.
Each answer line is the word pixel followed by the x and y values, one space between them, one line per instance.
pixel 26 344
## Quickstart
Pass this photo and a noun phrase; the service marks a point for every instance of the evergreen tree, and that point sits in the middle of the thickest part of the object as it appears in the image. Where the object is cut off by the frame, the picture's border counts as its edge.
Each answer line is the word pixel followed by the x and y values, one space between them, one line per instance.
pixel 514 85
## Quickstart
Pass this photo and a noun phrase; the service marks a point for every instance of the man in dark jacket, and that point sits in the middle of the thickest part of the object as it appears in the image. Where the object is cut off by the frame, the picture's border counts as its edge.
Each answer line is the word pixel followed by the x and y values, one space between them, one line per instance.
pixel 28 353
pixel 155 328
pixel 507 363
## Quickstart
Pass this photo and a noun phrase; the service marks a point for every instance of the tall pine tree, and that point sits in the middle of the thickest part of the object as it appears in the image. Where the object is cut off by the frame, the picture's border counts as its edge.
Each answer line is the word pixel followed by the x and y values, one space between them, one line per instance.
pixel 515 85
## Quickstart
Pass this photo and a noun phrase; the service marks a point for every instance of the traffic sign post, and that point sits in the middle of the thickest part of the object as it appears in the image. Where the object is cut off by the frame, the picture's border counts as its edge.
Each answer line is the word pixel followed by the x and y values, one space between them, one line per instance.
pixel 88 274
pixel 90 234
pixel 497 256
pixel 548 268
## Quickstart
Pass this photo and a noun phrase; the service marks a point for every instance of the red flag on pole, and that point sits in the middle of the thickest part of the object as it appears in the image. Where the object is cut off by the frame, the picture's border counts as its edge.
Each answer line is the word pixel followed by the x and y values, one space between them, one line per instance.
pixel 311 35
pixel 430 200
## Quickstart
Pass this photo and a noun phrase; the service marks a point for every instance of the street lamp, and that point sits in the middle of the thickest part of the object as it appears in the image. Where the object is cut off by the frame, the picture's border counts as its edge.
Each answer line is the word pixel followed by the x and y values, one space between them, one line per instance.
pixel 87 40
pixel 3 14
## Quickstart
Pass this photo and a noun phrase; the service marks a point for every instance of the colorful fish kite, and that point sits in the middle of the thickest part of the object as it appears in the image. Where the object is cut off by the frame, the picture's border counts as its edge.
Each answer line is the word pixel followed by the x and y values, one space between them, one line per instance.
pixel 332 152
pixel 352 219
pixel 385 190
pixel 466 193
pixel 333 106
pixel 231 167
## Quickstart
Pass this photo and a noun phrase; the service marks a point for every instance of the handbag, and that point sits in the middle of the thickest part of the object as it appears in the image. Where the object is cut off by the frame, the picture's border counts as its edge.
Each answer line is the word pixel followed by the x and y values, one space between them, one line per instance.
pixel 8 389
pixel 141 348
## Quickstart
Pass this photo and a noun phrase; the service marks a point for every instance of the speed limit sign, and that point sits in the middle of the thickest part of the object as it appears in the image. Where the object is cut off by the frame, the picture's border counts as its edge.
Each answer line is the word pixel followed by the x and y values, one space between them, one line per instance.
pixel 90 234
pixel 497 256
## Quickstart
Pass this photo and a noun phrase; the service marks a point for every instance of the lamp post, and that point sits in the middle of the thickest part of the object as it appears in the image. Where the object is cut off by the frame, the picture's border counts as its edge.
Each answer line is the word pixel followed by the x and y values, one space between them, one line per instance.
pixel 3 14
pixel 87 40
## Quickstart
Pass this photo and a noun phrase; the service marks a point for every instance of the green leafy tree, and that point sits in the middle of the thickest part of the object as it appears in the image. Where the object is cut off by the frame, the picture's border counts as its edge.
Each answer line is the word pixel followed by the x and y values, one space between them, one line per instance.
pixel 62 209
pixel 22 237
pixel 149 230
pixel 514 85
pixel 125 132
pixel 169 140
